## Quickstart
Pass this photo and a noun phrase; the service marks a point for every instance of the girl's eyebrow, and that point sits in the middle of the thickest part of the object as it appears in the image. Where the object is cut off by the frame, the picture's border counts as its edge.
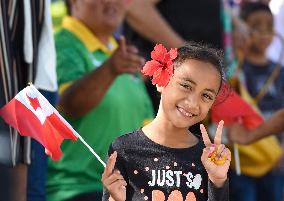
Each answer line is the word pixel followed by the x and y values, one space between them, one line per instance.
pixel 212 91
pixel 191 81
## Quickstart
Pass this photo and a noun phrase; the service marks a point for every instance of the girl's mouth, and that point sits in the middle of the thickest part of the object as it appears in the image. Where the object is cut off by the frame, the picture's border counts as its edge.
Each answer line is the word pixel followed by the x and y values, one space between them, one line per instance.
pixel 185 113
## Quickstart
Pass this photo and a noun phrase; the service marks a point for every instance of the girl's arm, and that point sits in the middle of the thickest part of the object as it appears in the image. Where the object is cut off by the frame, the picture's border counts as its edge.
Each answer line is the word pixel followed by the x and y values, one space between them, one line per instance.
pixel 218 194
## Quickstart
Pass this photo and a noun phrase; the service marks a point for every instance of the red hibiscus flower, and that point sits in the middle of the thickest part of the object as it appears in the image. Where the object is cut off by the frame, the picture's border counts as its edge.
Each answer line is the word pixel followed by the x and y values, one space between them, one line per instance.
pixel 161 65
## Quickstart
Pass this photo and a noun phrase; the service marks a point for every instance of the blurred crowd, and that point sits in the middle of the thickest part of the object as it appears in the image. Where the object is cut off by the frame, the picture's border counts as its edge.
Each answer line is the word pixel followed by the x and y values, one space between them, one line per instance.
pixel 86 56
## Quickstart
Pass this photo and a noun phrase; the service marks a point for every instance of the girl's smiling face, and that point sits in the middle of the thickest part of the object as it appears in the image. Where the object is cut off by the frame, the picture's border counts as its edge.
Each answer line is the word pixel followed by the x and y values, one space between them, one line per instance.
pixel 190 93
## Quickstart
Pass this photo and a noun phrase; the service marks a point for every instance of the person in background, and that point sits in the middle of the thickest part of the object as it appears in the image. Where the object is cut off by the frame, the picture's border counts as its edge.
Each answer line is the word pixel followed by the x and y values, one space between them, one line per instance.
pixel 276 48
pixel 240 135
pixel 101 94
pixel 263 80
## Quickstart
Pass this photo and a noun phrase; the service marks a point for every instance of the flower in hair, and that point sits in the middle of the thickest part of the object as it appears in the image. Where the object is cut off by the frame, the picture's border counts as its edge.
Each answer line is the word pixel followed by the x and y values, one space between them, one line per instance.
pixel 161 65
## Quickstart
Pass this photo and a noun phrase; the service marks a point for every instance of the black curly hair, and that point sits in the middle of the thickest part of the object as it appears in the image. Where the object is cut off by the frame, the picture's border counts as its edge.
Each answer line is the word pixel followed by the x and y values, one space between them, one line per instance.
pixel 202 52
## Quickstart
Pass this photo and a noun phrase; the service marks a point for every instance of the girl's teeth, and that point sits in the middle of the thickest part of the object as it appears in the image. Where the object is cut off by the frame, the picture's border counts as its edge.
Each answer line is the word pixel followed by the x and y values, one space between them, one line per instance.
pixel 185 113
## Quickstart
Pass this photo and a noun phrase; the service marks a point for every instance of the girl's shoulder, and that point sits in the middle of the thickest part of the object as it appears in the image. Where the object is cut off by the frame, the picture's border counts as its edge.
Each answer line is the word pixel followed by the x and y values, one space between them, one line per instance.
pixel 128 140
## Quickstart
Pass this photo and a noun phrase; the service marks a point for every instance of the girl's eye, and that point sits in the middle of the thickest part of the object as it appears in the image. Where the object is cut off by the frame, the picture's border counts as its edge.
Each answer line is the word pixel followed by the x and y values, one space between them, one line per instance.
pixel 186 86
pixel 208 97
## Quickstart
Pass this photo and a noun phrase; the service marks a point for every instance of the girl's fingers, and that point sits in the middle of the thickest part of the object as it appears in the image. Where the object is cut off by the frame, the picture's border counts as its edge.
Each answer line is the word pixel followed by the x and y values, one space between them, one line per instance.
pixel 224 157
pixel 205 155
pixel 123 183
pixel 220 155
pixel 113 178
pixel 220 150
pixel 119 184
pixel 205 136
pixel 218 136
pixel 110 165
pixel 226 153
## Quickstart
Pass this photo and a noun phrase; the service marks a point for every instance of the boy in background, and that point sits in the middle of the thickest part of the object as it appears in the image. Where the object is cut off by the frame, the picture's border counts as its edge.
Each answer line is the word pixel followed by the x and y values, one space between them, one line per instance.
pixel 263 80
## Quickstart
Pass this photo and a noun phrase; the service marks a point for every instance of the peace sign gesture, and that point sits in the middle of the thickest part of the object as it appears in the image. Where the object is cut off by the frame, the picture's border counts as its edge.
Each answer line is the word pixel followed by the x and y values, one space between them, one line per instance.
pixel 114 181
pixel 216 157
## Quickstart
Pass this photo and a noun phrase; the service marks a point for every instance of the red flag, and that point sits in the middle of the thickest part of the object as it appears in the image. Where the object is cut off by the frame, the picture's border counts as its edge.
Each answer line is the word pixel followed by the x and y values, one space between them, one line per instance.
pixel 32 115
pixel 236 110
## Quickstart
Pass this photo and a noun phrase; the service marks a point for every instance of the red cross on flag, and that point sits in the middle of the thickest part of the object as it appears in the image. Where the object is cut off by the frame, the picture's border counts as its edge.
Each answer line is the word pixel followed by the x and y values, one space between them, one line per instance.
pixel 32 115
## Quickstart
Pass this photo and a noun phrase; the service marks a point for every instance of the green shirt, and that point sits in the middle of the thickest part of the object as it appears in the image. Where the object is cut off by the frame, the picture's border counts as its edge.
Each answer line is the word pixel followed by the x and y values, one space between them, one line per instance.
pixel 124 108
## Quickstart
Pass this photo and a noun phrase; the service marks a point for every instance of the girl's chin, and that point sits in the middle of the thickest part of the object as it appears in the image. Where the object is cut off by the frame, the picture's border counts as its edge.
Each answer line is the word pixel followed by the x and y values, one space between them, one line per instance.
pixel 182 124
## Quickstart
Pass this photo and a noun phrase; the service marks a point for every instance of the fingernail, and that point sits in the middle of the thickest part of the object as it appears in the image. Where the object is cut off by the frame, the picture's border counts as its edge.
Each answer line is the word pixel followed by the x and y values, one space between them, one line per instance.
pixel 113 154
pixel 212 147
pixel 135 50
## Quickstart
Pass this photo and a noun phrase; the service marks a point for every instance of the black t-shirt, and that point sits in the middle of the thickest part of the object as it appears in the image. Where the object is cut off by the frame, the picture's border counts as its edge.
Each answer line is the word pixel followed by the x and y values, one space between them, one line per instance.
pixel 153 171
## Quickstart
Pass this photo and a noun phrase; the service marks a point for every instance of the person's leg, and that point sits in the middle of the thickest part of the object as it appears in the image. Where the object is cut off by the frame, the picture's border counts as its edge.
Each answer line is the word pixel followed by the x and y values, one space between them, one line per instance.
pixel 91 196
pixel 242 188
pixel 270 187
pixel 37 172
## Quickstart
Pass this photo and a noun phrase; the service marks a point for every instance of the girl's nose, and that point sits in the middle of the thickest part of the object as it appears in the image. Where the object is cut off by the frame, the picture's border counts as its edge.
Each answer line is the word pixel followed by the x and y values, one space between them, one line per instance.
pixel 192 103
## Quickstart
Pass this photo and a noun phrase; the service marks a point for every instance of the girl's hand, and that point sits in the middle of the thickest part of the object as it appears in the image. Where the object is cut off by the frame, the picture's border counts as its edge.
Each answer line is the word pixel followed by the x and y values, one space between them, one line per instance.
pixel 113 180
pixel 216 157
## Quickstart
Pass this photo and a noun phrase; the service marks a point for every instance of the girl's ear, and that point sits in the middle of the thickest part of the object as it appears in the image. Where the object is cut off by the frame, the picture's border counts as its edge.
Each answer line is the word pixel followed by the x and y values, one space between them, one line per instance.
pixel 159 89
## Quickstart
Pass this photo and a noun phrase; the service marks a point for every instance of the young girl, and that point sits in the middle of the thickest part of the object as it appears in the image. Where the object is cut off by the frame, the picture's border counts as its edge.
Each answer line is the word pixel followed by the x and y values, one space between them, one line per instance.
pixel 163 160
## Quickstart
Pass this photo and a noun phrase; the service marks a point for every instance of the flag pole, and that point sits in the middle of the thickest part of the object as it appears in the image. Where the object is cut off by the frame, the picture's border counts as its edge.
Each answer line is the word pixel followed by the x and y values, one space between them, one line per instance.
pixel 91 150
pixel 236 153
pixel 77 134
pixel 237 159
